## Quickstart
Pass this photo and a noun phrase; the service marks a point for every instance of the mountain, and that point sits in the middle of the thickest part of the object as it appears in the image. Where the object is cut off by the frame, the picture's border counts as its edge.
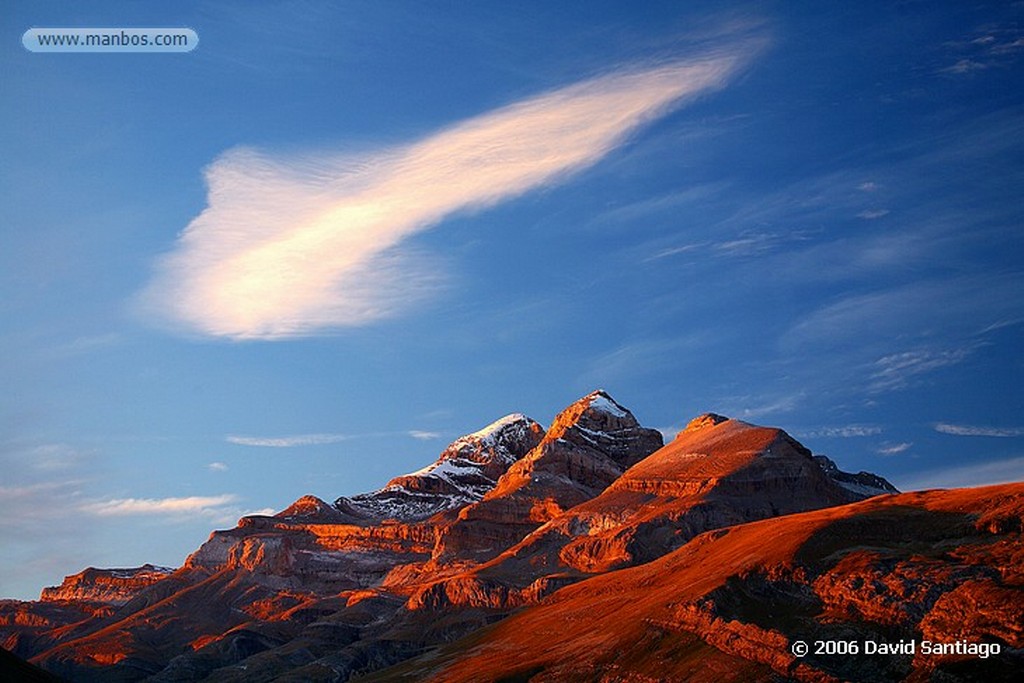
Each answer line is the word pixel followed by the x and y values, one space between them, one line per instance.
pixel 937 576
pixel 588 446
pixel 463 474
pixel 715 473
pixel 589 550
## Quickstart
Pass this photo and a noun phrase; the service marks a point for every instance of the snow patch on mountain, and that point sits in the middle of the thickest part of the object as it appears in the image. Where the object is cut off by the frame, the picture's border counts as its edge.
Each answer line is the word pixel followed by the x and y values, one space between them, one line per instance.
pixel 464 472
pixel 862 483
pixel 600 400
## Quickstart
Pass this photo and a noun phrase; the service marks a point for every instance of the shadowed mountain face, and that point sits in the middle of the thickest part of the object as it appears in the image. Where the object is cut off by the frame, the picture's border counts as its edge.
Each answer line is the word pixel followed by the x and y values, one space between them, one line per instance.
pixel 623 558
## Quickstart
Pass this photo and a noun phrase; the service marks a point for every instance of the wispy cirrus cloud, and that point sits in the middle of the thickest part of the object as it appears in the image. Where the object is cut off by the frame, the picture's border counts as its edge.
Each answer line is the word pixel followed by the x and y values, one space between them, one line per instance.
pixel 158 506
pixel 993 46
pixel 894 448
pixel 896 370
pixel 423 435
pixel 752 407
pixel 971 430
pixel 844 432
pixel 221 510
pixel 285 441
pixel 293 245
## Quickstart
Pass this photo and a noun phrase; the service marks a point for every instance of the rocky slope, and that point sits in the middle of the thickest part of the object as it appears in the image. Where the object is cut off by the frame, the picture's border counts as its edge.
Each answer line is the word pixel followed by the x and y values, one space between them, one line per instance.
pixel 937 575
pixel 506 517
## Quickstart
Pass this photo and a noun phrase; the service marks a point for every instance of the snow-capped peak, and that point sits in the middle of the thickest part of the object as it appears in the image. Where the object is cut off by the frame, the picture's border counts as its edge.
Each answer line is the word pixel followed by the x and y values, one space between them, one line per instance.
pixel 491 430
pixel 600 400
pixel 465 471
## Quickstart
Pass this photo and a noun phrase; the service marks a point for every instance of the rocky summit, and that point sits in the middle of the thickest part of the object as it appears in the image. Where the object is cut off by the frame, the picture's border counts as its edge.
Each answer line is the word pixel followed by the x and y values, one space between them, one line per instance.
pixel 589 550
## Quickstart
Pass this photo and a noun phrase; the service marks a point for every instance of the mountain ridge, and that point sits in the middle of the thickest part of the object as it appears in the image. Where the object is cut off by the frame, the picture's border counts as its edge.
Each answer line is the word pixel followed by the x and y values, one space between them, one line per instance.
pixel 510 519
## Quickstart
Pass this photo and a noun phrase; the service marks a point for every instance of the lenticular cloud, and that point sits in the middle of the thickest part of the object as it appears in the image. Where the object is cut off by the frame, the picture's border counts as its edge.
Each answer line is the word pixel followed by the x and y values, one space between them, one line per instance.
pixel 292 246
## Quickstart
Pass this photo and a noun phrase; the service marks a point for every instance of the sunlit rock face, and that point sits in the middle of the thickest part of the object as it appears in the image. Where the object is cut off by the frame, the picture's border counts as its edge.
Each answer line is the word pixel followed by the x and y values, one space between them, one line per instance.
pixel 110 586
pixel 588 446
pixel 717 472
pixel 511 517
pixel 937 566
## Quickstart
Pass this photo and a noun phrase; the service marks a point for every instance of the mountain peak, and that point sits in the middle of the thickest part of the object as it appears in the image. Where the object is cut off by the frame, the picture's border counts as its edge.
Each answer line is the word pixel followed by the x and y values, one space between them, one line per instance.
pixel 602 400
pixel 499 440
pixel 861 483
pixel 590 444
pixel 463 473
pixel 310 507
pixel 597 412
pixel 498 426
pixel 704 421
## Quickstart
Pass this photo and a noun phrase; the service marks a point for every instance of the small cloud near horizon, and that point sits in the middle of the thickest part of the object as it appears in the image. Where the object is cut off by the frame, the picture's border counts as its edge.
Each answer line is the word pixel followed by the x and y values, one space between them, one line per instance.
pixel 424 436
pixel 157 506
pixel 893 449
pixel 217 467
pixel 285 441
pixel 846 432
pixel 971 430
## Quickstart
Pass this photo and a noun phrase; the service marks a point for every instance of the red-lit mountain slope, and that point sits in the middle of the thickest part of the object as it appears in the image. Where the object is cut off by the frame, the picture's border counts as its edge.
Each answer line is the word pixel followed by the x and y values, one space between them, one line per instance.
pixel 938 567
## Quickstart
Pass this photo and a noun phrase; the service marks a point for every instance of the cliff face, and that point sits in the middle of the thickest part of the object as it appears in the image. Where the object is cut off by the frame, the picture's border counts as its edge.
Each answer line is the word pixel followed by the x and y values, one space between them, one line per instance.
pixel 110 586
pixel 507 517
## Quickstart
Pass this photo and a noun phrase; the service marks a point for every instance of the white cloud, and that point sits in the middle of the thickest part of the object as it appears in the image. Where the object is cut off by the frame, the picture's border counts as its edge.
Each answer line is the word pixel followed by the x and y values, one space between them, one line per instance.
pixel 872 214
pixel 845 432
pixel 967 430
pixel 672 251
pixel 894 448
pixel 217 467
pixel 424 436
pixel 56 456
pixel 750 243
pixel 781 404
pixel 964 66
pixel 285 441
pixel 292 246
pixel 896 370
pixel 998 472
pixel 158 506
pixel 264 512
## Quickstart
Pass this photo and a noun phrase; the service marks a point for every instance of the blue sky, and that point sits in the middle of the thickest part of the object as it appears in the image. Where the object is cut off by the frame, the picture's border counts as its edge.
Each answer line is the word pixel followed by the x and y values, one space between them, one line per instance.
pixel 309 254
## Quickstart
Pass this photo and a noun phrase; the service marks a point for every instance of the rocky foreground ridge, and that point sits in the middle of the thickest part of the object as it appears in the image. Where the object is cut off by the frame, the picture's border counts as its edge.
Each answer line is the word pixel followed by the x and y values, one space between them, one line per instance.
pixel 622 558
